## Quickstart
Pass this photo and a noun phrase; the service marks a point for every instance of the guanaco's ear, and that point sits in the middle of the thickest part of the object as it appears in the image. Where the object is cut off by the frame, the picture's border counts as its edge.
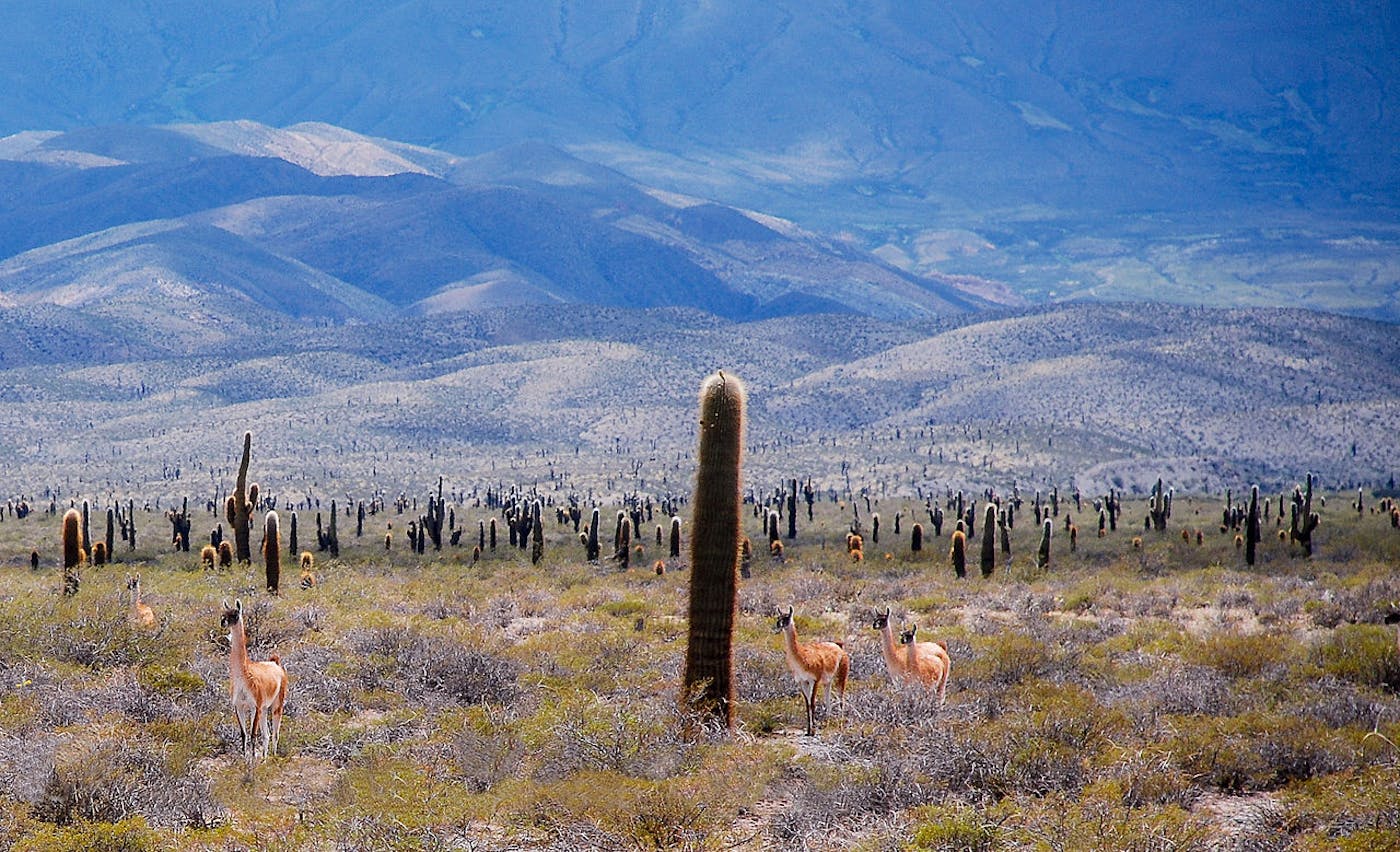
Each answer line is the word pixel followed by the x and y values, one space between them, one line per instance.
pixel 789 611
pixel 887 612
pixel 226 606
pixel 238 605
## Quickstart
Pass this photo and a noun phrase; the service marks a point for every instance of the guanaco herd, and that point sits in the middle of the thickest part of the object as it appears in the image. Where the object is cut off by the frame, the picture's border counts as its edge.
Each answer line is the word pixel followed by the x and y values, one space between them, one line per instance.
pixel 258 690
pixel 814 664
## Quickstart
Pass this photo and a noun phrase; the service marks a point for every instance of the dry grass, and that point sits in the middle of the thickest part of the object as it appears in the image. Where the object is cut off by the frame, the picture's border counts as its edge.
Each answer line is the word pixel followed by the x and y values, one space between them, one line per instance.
pixel 1145 697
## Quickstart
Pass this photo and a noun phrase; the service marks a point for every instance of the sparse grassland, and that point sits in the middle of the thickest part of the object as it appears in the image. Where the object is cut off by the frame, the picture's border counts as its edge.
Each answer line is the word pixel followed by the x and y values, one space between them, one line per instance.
pixel 1162 697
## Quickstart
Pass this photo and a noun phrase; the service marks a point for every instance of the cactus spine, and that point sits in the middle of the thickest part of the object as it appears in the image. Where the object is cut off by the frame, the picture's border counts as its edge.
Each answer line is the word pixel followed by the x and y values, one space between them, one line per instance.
pixel 989 540
pixel 241 503
pixel 272 551
pixel 707 682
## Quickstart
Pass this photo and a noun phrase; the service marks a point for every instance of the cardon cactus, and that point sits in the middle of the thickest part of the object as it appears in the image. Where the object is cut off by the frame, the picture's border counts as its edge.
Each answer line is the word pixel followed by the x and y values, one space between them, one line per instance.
pixel 958 553
pixel 272 551
pixel 1042 556
pixel 241 504
pixel 707 679
pixel 1252 534
pixel 1303 520
pixel 72 551
pixel 989 540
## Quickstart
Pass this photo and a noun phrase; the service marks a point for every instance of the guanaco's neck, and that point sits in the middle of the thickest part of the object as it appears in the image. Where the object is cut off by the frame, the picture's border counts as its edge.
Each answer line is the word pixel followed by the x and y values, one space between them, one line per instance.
pixel 887 645
pixel 790 647
pixel 238 652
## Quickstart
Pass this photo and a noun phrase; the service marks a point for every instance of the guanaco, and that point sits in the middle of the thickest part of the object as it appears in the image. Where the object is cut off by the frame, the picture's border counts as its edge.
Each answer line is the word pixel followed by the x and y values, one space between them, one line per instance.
pixel 812 664
pixel 925 662
pixel 257 690
pixel 140 614
pixel 932 666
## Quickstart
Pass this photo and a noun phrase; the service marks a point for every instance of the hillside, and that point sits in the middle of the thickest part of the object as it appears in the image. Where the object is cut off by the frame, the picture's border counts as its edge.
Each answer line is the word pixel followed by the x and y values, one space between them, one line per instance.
pixel 1237 155
pixel 601 400
pixel 316 223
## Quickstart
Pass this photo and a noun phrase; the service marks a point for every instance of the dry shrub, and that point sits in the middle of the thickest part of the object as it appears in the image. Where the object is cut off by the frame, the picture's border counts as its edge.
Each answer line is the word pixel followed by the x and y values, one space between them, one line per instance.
pixel 1239 655
pixel 109 780
pixel 433 667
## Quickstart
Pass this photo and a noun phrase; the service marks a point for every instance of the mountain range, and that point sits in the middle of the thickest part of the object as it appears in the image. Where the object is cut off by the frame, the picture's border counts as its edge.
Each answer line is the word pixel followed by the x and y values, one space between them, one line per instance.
pixel 1235 154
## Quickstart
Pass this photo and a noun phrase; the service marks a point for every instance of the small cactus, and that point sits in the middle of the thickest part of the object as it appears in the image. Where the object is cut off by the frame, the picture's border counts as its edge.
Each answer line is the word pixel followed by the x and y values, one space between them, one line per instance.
pixel 72 552
pixel 958 553
pixel 272 551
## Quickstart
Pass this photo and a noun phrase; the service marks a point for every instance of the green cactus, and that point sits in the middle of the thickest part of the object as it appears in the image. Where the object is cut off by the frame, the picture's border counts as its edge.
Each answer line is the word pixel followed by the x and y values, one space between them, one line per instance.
pixel 241 504
pixel 272 551
pixel 708 676
pixel 1303 520
pixel 1252 534
pixel 1160 508
pixel 989 540
pixel 72 551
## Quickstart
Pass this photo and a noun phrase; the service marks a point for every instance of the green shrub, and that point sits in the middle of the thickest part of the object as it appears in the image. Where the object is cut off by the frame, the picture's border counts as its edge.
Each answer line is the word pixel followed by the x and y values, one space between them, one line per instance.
pixel 1240 655
pixel 1362 653
pixel 952 828
pixel 129 835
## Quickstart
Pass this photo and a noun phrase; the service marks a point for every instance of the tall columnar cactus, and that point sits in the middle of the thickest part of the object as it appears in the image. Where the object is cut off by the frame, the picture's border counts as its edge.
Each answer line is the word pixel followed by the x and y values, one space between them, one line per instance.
pixel 87 530
pixel 916 538
pixel 989 540
pixel 792 508
pixel 1252 534
pixel 131 524
pixel 272 551
pixel 72 551
pixel 675 537
pixel 958 553
pixel 1303 519
pixel 111 533
pixel 1160 509
pixel 875 528
pixel 536 535
pixel 292 547
pixel 593 548
pixel 241 504
pixel 432 522
pixel 360 519
pixel 707 682
pixel 1005 528
pixel 1042 556
pixel 332 539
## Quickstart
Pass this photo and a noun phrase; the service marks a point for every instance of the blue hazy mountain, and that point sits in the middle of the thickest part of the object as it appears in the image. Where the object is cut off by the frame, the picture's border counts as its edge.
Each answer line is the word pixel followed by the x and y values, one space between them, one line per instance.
pixel 977 105
pixel 1237 154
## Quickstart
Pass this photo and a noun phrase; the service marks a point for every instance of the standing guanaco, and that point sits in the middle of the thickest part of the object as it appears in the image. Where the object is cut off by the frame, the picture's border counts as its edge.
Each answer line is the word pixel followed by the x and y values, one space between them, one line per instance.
pixel 932 666
pixel 257 690
pixel 812 664
pixel 925 662
pixel 140 614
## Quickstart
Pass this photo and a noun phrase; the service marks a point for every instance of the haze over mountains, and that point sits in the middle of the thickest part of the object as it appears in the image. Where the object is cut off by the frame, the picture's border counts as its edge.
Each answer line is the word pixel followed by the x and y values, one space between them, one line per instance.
pixel 1239 154
pixel 456 232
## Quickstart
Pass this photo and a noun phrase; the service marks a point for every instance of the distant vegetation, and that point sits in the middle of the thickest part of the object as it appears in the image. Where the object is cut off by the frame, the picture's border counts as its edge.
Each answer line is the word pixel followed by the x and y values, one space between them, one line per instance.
pixel 1145 688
